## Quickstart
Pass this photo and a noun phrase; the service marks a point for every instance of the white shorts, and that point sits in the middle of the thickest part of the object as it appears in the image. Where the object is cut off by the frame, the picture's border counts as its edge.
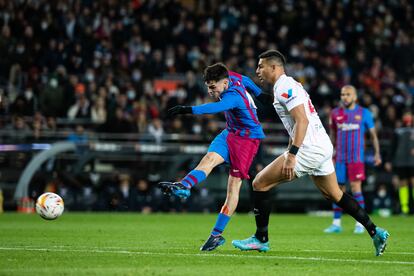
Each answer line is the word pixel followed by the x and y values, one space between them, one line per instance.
pixel 315 159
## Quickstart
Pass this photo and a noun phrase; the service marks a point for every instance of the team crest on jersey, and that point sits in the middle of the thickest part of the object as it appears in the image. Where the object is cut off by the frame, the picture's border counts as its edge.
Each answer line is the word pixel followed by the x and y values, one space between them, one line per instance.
pixel 358 117
pixel 288 94
pixel 340 118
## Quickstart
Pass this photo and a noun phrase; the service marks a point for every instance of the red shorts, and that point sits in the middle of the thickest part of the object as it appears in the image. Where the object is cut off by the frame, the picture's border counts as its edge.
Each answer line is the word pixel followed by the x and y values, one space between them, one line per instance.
pixel 356 171
pixel 242 151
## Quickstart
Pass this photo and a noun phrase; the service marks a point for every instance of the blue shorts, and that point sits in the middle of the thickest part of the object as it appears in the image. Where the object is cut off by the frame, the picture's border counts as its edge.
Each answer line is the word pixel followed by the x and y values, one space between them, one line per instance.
pixel 220 146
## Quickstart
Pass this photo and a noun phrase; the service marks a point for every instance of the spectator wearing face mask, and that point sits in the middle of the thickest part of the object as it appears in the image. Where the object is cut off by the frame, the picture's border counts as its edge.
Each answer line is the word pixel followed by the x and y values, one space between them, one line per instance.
pixel 52 100
pixel 25 104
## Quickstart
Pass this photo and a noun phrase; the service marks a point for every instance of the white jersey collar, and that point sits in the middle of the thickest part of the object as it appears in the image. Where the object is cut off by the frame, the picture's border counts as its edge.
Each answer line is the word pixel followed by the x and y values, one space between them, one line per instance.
pixel 280 80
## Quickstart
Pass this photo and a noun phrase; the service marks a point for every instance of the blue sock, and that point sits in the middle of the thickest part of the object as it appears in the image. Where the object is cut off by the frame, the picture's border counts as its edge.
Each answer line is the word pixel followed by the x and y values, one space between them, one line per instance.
pixel 221 223
pixel 337 211
pixel 193 178
pixel 359 197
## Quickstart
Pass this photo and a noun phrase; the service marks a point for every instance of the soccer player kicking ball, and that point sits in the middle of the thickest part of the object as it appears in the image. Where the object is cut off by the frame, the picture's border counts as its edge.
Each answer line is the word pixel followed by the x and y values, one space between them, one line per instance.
pixel 310 153
pixel 349 122
pixel 237 144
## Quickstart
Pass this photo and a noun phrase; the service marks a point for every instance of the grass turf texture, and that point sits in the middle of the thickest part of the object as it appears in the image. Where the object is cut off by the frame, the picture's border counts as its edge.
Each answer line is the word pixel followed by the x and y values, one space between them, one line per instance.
pixel 160 244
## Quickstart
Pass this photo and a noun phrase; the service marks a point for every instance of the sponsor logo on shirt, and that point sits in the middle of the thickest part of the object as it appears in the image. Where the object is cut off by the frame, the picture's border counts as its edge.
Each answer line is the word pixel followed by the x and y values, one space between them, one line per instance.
pixel 358 117
pixel 288 94
pixel 347 127
pixel 291 99
pixel 359 175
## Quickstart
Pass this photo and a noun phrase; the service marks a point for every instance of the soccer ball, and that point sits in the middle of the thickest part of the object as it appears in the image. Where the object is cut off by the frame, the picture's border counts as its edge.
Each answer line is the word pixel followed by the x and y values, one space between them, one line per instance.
pixel 49 206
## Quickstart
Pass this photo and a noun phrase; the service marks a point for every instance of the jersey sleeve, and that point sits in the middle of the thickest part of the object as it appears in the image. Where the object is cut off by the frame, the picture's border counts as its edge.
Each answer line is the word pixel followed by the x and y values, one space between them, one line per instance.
pixel 289 95
pixel 228 101
pixel 368 119
pixel 251 86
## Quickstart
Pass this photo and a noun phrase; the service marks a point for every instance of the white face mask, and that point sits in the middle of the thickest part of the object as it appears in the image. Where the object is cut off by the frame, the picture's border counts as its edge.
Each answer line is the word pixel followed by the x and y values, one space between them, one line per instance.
pixel 20 49
pixel 96 63
pixel 53 83
pixel 89 77
pixel 136 75
pixel 382 193
pixel 28 94
pixel 131 94
pixel 44 25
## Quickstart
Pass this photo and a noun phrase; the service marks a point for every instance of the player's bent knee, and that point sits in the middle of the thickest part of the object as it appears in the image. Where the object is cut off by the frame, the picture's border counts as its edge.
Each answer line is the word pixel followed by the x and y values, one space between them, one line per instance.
pixel 258 185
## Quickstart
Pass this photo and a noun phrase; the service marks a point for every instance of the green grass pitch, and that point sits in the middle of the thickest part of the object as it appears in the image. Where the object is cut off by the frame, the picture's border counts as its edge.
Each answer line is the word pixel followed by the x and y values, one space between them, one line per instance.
pixel 168 244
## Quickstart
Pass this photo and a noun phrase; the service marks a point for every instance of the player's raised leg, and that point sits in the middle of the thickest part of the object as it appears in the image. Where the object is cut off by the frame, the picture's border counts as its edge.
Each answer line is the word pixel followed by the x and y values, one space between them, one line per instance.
pixel 328 185
pixel 182 189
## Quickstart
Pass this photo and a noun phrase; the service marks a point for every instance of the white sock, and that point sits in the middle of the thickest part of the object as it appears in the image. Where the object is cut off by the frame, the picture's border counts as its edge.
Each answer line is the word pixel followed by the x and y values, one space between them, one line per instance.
pixel 337 222
pixel 357 224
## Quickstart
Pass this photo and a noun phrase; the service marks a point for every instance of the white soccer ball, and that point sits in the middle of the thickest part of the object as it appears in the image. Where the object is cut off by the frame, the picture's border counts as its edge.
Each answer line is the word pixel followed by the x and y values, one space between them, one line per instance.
pixel 49 206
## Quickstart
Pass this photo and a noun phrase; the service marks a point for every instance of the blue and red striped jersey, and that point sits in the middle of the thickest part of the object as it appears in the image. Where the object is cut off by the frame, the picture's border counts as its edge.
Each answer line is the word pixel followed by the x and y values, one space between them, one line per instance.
pixel 350 127
pixel 238 107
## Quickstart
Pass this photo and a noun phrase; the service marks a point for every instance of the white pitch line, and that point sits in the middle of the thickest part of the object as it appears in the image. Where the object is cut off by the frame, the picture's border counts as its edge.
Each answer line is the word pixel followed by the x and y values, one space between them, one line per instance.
pixel 184 248
pixel 211 255
pixel 356 251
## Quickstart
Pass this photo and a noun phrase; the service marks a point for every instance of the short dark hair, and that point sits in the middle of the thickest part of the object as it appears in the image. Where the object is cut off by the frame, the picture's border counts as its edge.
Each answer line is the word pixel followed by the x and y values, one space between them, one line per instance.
pixel 216 72
pixel 275 55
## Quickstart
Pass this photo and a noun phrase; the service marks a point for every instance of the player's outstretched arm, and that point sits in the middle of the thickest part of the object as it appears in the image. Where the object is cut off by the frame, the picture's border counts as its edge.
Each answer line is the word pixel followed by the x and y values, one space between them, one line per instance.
pixel 226 103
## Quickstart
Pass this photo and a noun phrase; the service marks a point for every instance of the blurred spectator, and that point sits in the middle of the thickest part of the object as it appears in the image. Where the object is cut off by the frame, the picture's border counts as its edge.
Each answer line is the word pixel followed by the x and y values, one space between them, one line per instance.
pixel 52 99
pixel 403 161
pixel 98 111
pixel 156 129
pixel 51 124
pixel 144 197
pixel 25 103
pixel 79 136
pixel 123 199
pixel 118 124
pixel 37 131
pixel 177 126
pixel 141 122
pixel 18 131
pixel 81 109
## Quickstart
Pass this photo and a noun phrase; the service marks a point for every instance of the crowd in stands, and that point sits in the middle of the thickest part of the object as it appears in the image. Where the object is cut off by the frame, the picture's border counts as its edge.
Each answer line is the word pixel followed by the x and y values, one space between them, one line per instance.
pixel 99 60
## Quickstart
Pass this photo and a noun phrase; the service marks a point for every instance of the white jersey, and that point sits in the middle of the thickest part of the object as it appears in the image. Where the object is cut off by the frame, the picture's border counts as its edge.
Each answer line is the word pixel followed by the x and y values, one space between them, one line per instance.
pixel 288 94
